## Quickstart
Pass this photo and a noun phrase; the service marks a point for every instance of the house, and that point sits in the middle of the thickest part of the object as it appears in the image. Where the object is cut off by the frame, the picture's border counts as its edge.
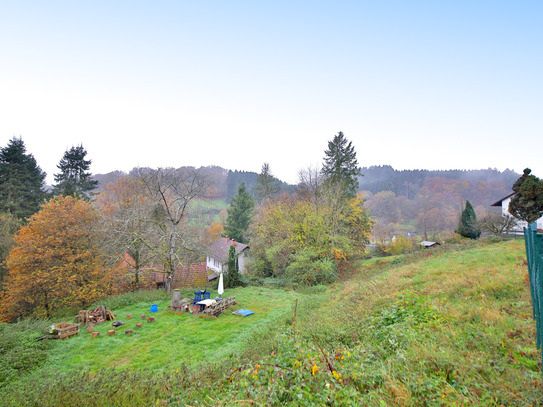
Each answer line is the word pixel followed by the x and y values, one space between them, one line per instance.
pixel 504 204
pixel 217 258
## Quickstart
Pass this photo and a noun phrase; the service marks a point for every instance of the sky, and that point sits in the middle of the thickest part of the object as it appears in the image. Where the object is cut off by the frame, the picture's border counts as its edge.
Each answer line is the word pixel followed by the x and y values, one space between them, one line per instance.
pixel 412 84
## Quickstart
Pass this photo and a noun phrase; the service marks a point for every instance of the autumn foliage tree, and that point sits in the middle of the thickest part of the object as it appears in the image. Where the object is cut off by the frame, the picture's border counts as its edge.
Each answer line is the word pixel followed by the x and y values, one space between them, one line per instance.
pixel 56 262
pixel 293 238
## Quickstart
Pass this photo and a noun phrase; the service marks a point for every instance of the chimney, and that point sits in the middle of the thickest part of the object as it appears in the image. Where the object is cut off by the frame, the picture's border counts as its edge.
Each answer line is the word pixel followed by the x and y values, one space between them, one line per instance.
pixel 233 242
pixel 227 239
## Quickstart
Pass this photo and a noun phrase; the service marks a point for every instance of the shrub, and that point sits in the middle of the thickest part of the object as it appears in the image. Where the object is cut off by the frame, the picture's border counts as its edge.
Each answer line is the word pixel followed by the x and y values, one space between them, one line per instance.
pixel 19 350
pixel 308 269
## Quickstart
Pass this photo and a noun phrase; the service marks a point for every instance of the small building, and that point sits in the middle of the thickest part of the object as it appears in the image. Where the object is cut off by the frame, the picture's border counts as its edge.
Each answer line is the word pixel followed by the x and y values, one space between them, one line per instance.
pixel 426 244
pixel 504 204
pixel 217 257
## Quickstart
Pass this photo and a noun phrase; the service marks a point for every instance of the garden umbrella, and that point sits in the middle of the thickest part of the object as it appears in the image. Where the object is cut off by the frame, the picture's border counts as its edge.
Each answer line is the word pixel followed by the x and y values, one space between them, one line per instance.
pixel 220 290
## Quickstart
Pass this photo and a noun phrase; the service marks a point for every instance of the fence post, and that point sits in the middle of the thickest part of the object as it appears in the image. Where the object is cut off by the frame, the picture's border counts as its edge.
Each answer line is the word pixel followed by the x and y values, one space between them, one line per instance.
pixel 534 256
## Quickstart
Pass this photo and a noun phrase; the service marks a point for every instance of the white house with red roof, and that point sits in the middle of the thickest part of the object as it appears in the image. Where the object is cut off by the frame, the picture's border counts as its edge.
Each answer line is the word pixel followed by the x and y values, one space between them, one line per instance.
pixel 217 257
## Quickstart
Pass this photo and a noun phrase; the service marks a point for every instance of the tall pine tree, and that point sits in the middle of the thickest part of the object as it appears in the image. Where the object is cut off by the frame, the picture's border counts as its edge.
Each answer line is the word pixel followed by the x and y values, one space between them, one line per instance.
pixel 74 178
pixel 340 167
pixel 21 181
pixel 239 215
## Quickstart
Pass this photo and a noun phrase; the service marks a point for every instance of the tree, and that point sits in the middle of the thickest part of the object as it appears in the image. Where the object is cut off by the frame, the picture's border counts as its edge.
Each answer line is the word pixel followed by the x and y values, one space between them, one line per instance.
pixel 171 192
pixel 239 215
pixel 232 279
pixel 267 185
pixel 310 185
pixel 74 178
pixel 124 208
pixel 341 166
pixel 9 225
pixel 21 181
pixel 213 233
pixel 56 263
pixel 467 225
pixel 527 203
pixel 292 231
pixel 497 224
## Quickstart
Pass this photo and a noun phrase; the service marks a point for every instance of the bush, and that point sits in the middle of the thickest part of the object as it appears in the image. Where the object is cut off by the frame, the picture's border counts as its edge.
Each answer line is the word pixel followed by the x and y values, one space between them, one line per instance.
pixel 308 269
pixel 20 352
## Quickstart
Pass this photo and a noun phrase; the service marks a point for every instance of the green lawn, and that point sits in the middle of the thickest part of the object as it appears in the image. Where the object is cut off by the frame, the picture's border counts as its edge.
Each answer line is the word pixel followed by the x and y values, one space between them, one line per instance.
pixel 173 340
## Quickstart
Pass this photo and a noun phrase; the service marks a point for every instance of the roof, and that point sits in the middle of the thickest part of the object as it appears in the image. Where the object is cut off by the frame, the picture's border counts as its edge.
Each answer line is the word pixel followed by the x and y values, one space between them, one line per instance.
pixel 499 203
pixel 426 243
pixel 219 250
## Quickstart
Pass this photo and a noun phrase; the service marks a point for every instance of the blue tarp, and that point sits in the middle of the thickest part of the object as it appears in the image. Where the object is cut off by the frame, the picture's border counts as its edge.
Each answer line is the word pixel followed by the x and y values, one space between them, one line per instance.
pixel 243 312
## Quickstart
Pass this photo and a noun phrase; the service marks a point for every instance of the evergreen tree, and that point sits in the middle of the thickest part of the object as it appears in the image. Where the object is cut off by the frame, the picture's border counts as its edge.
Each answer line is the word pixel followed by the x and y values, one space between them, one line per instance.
pixel 231 279
pixel 267 184
pixel 341 166
pixel 74 178
pixel 527 203
pixel 239 215
pixel 467 226
pixel 21 181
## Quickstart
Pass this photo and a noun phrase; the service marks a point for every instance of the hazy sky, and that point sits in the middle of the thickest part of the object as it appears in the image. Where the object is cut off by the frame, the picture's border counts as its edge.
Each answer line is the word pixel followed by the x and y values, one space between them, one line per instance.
pixel 413 84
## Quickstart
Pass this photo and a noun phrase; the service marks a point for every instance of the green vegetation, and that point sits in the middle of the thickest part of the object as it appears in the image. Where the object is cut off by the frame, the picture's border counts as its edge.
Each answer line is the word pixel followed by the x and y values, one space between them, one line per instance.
pixel 527 203
pixel 239 216
pixel 467 225
pixel 74 178
pixel 445 327
pixel 21 181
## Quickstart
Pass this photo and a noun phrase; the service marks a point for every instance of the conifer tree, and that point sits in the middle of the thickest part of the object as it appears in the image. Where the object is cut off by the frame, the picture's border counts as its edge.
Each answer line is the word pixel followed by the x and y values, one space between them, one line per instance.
pixel 74 178
pixel 467 226
pixel 21 181
pixel 340 167
pixel 267 184
pixel 239 215
pixel 527 203
pixel 232 276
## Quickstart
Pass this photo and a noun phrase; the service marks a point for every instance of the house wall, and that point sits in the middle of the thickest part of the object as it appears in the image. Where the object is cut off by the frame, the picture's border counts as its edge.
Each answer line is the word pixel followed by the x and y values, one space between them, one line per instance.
pixel 219 267
pixel 215 265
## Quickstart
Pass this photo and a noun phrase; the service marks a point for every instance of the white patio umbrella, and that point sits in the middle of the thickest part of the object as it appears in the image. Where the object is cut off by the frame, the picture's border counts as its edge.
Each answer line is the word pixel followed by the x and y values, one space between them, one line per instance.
pixel 220 290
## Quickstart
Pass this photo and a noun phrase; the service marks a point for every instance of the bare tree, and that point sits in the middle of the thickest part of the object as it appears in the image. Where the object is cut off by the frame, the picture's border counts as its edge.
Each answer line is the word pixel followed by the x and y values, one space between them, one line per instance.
pixel 171 192
pixel 310 181
pixel 124 209
pixel 497 224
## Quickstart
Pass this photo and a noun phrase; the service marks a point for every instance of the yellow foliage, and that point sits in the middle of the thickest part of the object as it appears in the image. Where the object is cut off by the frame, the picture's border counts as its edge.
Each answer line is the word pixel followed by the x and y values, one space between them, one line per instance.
pixel 56 261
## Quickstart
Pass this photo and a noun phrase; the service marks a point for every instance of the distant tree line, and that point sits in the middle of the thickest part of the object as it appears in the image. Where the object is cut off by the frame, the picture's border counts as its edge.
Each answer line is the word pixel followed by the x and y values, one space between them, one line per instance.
pixel 408 182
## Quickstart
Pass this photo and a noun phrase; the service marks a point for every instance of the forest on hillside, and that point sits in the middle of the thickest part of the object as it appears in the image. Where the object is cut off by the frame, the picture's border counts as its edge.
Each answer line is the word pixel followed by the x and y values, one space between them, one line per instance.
pixel 402 202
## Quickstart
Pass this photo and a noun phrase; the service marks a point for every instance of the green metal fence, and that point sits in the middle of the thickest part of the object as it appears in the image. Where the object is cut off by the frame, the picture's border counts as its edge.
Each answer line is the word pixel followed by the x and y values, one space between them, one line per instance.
pixel 534 254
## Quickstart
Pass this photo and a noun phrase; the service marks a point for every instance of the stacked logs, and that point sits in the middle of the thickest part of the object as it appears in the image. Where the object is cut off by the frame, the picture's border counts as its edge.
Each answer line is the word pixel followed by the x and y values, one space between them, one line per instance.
pixel 96 316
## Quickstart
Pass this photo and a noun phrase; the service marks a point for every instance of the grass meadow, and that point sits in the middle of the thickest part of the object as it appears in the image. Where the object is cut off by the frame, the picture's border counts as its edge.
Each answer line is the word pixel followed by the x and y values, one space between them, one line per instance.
pixel 445 327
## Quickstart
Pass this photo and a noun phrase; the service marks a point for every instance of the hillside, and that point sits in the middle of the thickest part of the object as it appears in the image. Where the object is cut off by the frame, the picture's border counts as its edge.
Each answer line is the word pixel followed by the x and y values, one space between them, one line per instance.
pixel 446 327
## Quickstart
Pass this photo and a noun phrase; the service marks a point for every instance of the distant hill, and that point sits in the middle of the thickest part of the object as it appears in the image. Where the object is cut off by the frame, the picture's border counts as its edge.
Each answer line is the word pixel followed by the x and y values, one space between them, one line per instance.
pixel 407 183
pixel 481 185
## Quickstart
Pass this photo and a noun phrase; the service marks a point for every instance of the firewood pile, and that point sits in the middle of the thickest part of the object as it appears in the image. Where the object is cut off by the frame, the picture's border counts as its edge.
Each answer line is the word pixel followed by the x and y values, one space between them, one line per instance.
pixel 96 316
